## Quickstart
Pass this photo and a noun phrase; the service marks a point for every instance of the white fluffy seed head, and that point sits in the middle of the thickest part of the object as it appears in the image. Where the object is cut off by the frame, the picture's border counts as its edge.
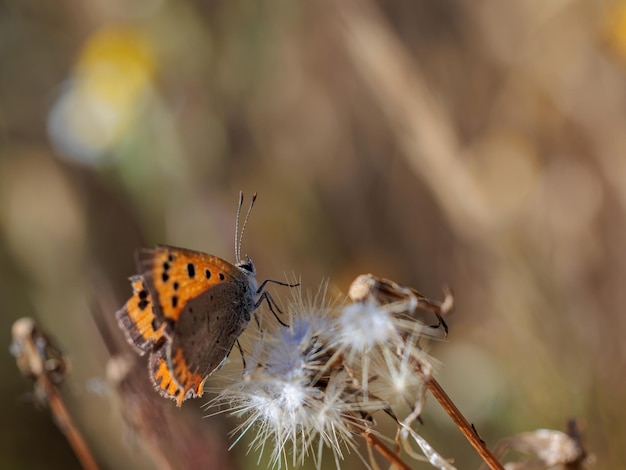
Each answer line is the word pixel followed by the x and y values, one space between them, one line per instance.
pixel 316 383
pixel 295 392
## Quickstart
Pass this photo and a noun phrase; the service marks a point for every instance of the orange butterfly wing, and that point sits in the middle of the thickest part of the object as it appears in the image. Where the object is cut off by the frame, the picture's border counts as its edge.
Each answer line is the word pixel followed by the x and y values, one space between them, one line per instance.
pixel 166 384
pixel 161 377
pixel 191 383
pixel 137 318
pixel 177 275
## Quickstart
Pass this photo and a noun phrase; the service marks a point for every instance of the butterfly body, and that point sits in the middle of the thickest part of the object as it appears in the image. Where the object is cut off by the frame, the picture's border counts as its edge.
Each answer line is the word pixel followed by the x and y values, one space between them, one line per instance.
pixel 187 310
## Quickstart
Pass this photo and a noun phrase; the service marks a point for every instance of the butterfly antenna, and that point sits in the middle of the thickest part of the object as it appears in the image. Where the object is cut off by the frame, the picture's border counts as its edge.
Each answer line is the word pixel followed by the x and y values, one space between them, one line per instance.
pixel 243 227
pixel 237 242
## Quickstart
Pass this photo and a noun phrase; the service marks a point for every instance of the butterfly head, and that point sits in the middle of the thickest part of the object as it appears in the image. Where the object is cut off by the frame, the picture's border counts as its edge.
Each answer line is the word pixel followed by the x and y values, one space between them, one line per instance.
pixel 247 267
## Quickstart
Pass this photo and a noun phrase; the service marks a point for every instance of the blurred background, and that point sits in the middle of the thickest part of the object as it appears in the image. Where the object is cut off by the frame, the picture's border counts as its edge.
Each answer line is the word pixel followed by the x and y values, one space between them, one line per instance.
pixel 480 145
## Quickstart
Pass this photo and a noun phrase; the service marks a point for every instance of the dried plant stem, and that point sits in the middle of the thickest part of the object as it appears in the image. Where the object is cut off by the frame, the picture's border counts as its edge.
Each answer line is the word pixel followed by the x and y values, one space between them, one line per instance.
pixel 465 427
pixel 66 425
pixel 41 360
pixel 384 450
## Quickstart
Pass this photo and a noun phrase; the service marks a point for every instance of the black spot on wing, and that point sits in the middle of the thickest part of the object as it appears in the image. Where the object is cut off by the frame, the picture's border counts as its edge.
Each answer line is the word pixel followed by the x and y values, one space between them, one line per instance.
pixel 191 270
pixel 165 276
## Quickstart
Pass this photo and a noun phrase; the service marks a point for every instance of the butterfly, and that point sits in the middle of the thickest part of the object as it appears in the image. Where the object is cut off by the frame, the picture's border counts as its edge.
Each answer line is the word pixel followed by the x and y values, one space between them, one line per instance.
pixel 187 310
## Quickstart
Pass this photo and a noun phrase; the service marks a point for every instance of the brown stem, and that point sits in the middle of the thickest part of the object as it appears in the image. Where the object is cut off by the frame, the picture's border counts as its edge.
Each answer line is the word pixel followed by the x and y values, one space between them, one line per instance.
pixel 66 425
pixel 465 427
pixel 384 450
pixel 40 359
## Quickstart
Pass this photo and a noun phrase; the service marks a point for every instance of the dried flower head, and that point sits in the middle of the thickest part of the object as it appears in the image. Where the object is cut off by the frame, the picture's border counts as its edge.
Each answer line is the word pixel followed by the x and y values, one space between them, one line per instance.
pixel 317 383
pixel 380 331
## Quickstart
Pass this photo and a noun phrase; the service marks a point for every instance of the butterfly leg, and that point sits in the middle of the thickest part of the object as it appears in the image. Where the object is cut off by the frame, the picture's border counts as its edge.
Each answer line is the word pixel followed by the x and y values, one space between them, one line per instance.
pixel 271 304
pixel 265 296
pixel 243 357
pixel 273 281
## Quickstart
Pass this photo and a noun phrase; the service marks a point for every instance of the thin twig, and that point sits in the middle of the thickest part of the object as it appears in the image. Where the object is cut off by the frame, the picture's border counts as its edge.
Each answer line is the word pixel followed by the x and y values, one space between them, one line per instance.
pixel 66 425
pixel 384 450
pixel 465 427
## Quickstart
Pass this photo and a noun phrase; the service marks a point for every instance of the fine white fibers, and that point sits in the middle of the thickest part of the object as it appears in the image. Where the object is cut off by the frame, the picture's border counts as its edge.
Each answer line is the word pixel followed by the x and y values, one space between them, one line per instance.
pixel 316 383
pixel 378 340
pixel 291 395
pixel 363 326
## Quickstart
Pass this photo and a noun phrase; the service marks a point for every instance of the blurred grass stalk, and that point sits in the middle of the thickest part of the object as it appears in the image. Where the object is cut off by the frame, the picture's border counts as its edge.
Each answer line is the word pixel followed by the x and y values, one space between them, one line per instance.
pixel 421 127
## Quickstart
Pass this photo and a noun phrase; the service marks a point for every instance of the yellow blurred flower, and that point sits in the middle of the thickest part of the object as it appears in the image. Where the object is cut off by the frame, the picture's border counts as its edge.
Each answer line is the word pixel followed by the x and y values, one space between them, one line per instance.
pixel 616 30
pixel 112 76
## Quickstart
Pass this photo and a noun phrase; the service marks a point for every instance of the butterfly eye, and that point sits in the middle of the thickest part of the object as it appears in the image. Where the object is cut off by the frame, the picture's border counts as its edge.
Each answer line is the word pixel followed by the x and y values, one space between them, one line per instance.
pixel 247 266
